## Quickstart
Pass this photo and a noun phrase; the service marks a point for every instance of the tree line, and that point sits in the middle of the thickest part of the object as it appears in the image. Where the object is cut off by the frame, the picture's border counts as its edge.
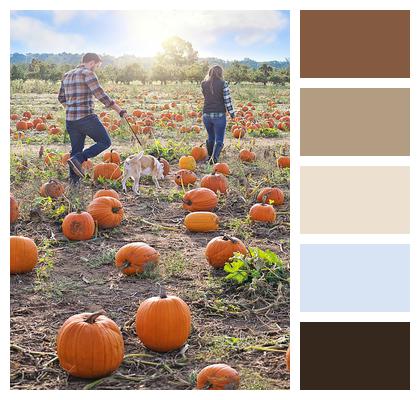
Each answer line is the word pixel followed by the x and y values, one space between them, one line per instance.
pixel 178 62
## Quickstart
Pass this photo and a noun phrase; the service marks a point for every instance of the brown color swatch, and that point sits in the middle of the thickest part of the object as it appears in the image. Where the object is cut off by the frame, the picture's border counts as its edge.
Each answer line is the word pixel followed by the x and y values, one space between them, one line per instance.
pixel 355 122
pixel 355 200
pixel 355 355
pixel 355 44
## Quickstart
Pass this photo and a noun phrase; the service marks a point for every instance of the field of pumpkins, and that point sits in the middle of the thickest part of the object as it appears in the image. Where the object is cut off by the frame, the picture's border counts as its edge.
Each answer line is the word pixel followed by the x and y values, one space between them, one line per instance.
pixel 180 287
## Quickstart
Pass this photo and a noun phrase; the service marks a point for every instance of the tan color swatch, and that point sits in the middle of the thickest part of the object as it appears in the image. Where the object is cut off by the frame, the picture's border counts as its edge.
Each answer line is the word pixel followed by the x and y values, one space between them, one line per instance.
pixel 355 44
pixel 355 122
pixel 355 200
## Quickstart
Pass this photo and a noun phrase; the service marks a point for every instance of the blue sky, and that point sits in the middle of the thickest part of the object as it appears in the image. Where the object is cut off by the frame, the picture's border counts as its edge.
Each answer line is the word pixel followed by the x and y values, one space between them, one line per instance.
pixel 260 35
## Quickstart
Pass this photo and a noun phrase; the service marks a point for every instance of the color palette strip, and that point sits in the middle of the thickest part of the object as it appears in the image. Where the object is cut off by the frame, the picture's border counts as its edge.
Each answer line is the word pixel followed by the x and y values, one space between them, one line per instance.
pixel 355 200
pixel 355 44
pixel 355 278
pixel 358 199
pixel 355 122
pixel 355 355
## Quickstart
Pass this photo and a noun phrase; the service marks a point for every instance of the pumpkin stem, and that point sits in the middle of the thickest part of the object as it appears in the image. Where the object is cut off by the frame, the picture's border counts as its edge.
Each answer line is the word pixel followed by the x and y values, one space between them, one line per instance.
pixel 116 209
pixel 227 237
pixel 265 197
pixel 92 317
pixel 162 292
pixel 188 202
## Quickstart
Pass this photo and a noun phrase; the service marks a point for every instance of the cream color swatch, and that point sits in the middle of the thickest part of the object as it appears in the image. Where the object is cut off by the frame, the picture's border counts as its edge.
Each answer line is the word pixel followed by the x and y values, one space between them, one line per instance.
pixel 355 200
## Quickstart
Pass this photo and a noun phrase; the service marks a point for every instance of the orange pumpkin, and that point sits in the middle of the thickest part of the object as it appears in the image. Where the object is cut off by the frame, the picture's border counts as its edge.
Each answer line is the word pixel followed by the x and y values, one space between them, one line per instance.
pixel 107 211
pixel 199 153
pixel 201 221
pixel 137 113
pixel 54 130
pixel 215 182
pixel 201 199
pixel 27 114
pixel 23 254
pixel 222 168
pixel 107 170
pixel 218 377
pixel 87 164
pixel 166 166
pixel 185 177
pixel 288 358
pixel 52 188
pixel 247 155
pixel 90 345
pixel 64 158
pixel 40 127
pixel 221 248
pixel 163 323
pixel 238 132
pixel 14 117
pixel 283 162
pixel 271 195
pixel 106 192
pixel 14 209
pixel 187 162
pixel 112 157
pixel 21 125
pixel 78 226
pixel 50 158
pixel 37 121
pixel 262 213
pixel 134 258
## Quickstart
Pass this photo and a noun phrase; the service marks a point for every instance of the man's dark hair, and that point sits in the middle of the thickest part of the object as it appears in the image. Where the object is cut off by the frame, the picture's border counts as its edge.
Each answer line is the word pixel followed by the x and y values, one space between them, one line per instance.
pixel 88 57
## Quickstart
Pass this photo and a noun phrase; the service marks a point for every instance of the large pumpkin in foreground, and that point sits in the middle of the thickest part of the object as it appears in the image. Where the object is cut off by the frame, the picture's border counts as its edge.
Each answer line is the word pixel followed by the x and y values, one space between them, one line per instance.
pixel 163 323
pixel 218 377
pixel 107 211
pixel 134 258
pixel 90 345
pixel 78 226
pixel 221 248
pixel 23 254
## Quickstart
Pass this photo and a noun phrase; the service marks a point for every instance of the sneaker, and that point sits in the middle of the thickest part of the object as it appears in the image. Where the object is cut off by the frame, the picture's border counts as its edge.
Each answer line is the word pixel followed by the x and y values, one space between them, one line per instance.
pixel 76 166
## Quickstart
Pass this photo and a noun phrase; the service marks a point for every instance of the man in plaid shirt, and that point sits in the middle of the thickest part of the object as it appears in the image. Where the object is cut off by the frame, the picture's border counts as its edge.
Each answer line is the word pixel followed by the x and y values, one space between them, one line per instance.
pixel 77 90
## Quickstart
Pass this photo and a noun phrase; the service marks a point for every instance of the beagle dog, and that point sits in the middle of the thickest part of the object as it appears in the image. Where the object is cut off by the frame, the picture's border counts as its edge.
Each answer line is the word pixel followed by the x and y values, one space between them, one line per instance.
pixel 137 165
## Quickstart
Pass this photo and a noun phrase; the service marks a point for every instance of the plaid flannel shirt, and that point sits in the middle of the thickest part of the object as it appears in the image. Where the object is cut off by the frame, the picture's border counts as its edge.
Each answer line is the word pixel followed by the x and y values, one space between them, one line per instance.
pixel 77 90
pixel 228 100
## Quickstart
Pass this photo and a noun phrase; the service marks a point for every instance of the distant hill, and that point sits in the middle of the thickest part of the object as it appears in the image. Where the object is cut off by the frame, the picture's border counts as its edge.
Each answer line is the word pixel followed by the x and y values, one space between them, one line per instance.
pixel 71 58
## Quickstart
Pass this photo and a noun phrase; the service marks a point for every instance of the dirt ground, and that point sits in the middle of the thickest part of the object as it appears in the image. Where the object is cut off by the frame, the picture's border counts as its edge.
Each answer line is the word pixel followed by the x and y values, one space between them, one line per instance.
pixel 246 329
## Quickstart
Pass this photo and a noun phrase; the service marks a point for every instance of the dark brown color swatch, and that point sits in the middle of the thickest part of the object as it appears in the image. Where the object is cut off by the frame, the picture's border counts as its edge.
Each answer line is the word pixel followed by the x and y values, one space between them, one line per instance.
pixel 355 355
pixel 355 44
pixel 355 122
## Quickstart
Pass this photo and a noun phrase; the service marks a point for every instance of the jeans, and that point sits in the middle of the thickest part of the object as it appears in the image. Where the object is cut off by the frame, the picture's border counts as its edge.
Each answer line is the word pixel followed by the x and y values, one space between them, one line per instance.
pixel 215 128
pixel 78 130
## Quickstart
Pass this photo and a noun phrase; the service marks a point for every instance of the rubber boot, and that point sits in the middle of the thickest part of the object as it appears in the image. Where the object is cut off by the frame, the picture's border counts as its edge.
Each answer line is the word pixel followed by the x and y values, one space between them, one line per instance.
pixel 217 150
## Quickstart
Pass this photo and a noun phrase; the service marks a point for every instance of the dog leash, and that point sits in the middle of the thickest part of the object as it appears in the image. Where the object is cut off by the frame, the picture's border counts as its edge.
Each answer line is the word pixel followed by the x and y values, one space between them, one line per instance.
pixel 132 131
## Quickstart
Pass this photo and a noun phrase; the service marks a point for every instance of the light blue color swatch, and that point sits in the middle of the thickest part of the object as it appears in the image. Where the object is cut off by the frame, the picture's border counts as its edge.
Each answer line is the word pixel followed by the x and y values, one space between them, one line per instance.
pixel 354 278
